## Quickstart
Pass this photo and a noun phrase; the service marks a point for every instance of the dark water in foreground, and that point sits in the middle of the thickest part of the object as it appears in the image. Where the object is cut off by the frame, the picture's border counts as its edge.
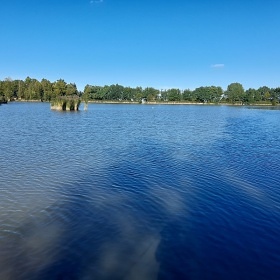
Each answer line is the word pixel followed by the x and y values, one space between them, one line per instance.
pixel 139 192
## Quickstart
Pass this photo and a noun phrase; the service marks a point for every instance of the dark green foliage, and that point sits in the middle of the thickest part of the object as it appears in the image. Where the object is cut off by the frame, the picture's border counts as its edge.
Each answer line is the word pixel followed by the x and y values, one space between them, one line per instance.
pixel 235 93
pixel 48 91
pixel 71 89
pixel 210 94
pixel 2 96
pixel 173 94
pixel 275 96
pixel 249 96
pixel 32 89
pixel 150 93
pixel 188 95
pixel 60 88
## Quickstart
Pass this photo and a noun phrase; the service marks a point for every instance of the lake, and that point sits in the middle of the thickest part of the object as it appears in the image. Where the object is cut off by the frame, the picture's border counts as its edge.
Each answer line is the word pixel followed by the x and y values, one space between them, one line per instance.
pixel 139 192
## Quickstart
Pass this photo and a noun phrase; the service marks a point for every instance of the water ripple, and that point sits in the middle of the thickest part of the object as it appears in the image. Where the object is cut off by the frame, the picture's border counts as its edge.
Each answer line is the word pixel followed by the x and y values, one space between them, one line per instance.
pixel 111 192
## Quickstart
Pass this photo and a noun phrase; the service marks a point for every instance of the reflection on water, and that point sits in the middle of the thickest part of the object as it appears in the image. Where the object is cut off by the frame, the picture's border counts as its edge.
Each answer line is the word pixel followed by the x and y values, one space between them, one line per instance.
pixel 139 192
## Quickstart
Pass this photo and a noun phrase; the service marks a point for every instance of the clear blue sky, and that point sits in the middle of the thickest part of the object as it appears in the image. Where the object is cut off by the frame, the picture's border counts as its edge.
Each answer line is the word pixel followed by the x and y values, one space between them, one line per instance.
pixel 164 44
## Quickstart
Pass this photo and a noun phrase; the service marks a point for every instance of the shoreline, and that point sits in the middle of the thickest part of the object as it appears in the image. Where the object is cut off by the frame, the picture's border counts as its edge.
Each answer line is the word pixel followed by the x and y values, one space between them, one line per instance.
pixel 157 103
pixel 180 103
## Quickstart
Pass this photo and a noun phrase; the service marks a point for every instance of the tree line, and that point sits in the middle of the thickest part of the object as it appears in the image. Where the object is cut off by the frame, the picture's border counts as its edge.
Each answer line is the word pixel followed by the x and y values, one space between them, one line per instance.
pixel 234 94
pixel 44 90
pixel 32 89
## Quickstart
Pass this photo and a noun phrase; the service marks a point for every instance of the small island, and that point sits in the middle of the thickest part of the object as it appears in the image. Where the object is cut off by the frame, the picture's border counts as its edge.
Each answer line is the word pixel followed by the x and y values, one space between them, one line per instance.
pixel 66 103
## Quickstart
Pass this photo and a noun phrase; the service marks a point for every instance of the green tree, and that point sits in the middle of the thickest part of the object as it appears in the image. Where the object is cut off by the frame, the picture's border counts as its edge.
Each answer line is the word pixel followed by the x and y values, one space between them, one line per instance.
pixel 138 94
pixel 47 88
pixel 2 95
pixel 20 85
pixel 250 95
pixel 27 82
pixel 208 94
pixel 92 92
pixel 275 96
pixel 60 88
pixel 38 91
pixel 264 93
pixel 235 93
pixel 128 93
pixel 115 92
pixel 200 94
pixel 32 89
pixel 150 93
pixel 71 89
pixel 173 94
pixel 188 95
pixel 9 89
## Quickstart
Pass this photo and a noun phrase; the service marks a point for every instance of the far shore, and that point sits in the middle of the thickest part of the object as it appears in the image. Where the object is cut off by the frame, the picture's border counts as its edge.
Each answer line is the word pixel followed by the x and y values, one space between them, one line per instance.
pixel 161 103
pixel 179 103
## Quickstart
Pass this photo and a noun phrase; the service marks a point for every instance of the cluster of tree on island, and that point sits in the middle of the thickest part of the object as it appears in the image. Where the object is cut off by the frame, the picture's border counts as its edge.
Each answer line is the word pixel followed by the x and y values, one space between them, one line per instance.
pixel 44 90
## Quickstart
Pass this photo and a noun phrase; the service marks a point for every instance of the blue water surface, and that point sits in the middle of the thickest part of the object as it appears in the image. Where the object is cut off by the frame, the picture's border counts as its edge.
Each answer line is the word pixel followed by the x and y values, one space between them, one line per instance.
pixel 139 192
